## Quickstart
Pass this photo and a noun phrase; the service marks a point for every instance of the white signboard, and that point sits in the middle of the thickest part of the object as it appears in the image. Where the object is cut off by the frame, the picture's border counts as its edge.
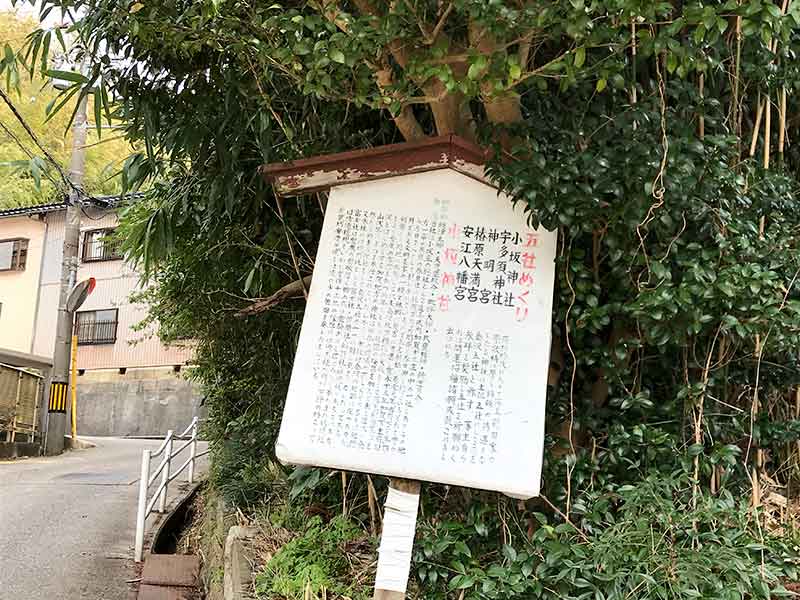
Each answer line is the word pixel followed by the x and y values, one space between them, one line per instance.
pixel 425 345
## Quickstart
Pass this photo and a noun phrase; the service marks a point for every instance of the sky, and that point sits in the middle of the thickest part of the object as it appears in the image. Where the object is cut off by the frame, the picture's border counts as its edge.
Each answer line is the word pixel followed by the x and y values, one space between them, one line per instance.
pixel 24 8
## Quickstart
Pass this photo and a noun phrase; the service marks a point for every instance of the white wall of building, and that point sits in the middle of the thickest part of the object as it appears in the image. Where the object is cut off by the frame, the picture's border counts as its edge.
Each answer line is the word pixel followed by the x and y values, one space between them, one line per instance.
pixel 18 289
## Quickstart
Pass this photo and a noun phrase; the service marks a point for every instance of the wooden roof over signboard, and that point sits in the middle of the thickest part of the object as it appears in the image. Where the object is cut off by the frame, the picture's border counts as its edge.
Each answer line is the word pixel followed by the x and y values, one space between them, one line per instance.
pixel 324 172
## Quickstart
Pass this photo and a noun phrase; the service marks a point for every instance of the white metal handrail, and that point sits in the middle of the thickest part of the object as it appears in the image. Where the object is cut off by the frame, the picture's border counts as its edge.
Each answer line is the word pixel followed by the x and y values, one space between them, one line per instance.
pixel 146 479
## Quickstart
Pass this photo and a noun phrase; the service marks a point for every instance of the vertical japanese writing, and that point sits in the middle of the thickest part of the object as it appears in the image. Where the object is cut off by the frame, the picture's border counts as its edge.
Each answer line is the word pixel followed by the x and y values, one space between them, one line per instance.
pixel 474 401
pixel 377 318
pixel 489 266
pixel 447 277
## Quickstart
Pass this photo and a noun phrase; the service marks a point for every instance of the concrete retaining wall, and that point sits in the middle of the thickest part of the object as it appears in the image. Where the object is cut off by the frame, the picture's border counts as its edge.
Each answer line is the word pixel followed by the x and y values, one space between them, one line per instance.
pixel 138 403
pixel 18 449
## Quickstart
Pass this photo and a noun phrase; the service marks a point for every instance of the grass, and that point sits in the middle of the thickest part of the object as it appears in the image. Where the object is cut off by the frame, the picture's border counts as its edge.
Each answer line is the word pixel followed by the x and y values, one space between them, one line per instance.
pixel 325 560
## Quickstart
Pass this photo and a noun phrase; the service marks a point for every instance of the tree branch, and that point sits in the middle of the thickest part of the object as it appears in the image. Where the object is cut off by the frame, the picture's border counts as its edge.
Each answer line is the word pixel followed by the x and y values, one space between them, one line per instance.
pixel 450 113
pixel 405 120
pixel 331 10
pixel 502 107
pixel 426 35
pixel 442 20
pixel 524 51
pixel 293 290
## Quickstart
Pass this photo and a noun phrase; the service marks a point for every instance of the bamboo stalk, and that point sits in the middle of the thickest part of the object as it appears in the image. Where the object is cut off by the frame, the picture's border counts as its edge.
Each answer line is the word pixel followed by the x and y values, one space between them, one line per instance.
pixel 767 129
pixel 736 112
pixel 782 124
pixel 344 493
pixel 759 461
pixel 373 522
pixel 797 412
pixel 701 122
pixel 759 458
pixel 757 125
pixel 633 61
pixel 756 495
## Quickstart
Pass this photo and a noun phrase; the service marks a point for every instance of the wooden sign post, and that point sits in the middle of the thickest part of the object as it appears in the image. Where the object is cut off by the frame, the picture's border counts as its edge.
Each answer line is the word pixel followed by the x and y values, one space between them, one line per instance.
pixel 425 344
pixel 401 546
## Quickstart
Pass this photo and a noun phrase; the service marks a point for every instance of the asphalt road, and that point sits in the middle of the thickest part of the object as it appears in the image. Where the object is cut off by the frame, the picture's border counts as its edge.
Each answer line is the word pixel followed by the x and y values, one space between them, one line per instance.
pixel 67 522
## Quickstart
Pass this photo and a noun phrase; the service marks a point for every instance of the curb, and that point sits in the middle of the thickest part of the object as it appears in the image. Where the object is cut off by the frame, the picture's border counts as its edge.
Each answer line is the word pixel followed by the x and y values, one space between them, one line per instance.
pixel 238 563
pixel 77 443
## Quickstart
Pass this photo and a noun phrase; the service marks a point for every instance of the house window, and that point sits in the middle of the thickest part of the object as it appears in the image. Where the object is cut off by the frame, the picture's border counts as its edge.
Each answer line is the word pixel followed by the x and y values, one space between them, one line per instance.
pixel 13 254
pixel 97 245
pixel 96 326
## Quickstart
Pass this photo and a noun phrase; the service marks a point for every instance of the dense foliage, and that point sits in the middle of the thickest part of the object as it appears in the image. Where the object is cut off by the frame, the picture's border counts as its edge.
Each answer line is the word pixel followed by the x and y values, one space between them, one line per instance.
pixel 26 177
pixel 627 125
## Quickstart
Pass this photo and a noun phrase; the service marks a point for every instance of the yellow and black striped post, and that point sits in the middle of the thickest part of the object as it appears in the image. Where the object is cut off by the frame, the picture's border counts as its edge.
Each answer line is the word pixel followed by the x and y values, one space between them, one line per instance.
pixel 58 398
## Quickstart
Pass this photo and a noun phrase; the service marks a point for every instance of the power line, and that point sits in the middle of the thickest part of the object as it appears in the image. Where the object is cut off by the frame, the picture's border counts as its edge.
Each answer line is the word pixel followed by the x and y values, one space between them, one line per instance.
pixel 36 141
pixel 30 155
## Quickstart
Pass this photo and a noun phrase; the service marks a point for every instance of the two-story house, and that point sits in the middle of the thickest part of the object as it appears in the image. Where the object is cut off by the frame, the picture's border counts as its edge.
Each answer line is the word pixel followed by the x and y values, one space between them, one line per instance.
pixel 129 383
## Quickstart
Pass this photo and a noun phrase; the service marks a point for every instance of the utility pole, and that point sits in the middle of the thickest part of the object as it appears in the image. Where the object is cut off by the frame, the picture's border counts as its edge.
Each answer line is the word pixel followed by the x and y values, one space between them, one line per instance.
pixel 58 398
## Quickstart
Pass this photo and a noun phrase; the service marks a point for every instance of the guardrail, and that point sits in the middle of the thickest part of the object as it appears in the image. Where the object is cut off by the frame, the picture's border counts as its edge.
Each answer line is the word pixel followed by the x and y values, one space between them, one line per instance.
pixel 147 479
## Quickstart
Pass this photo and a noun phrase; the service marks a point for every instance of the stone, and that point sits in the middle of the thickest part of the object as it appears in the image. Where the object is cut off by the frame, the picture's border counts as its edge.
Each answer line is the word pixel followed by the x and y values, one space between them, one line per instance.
pixel 237 564
pixel 171 570
pixel 155 592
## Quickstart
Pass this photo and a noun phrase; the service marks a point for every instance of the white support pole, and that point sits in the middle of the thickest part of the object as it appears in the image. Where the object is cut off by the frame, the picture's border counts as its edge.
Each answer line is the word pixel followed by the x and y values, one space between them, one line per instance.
pixel 397 540
pixel 162 501
pixel 141 508
pixel 192 451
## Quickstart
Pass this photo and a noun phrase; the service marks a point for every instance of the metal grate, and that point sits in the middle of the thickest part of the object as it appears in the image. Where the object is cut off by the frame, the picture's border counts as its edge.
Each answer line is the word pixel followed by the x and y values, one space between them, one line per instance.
pixel 96 332
pixel 99 245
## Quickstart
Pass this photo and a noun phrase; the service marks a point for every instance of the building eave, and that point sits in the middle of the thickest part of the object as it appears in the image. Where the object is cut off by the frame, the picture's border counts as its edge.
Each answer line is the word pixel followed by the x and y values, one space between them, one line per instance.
pixel 22 211
pixel 108 202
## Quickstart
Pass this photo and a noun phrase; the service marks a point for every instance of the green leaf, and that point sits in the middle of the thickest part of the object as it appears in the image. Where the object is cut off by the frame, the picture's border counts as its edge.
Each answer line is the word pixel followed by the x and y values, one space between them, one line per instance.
pixel 60 37
pixel 696 450
pixel 509 552
pixel 337 56
pixel 672 62
pixel 477 67
pixel 301 48
pixel 59 101
pixel 699 34
pixel 773 9
pixel 580 57
pixel 461 582
pixel 45 52
pixel 97 101
pixel 462 548
pixel 106 103
pixel 67 76
pixel 601 85
pixel 249 280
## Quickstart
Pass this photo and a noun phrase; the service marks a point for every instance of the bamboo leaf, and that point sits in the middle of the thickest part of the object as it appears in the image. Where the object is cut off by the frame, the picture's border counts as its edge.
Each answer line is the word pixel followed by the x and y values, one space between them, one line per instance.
pixel 67 76
pixel 98 111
